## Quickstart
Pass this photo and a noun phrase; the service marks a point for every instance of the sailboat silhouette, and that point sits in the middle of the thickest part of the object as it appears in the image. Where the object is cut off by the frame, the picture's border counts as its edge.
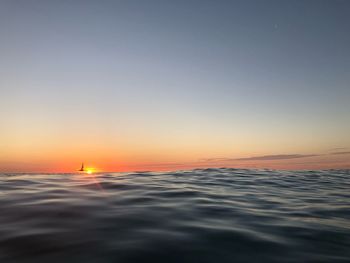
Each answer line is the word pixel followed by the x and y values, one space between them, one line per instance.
pixel 82 168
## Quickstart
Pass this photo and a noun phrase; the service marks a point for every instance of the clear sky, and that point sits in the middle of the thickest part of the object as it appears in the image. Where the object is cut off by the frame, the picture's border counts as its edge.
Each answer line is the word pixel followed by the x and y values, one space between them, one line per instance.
pixel 163 85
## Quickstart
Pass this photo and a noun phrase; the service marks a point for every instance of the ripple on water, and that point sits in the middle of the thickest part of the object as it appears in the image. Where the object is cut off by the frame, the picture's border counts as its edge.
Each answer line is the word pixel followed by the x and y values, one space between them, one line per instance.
pixel 202 215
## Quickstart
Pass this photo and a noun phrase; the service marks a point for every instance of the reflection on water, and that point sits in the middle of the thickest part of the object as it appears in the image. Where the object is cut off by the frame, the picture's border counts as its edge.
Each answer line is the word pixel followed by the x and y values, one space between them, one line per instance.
pixel 211 215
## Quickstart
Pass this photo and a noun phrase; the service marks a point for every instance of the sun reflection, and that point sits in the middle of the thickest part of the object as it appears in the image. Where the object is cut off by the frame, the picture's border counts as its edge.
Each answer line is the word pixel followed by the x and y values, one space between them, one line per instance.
pixel 91 175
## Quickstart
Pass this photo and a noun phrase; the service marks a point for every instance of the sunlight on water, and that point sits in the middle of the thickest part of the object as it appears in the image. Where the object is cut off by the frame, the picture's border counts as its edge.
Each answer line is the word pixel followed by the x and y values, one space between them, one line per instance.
pixel 210 215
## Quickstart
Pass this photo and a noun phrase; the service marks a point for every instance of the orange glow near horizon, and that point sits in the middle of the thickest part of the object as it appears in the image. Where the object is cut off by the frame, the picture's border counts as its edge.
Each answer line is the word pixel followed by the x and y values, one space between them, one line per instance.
pixel 31 148
pixel 150 160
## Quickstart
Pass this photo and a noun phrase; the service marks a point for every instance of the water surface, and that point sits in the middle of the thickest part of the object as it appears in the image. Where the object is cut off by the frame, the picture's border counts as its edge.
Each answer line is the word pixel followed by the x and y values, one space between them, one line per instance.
pixel 210 215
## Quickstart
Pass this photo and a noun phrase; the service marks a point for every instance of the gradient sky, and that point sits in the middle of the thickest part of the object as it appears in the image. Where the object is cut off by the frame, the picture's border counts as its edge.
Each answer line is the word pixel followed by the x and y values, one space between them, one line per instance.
pixel 163 85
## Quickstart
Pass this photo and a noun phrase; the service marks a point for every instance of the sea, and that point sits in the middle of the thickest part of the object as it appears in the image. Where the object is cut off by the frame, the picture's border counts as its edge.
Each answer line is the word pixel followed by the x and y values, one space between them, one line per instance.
pixel 201 215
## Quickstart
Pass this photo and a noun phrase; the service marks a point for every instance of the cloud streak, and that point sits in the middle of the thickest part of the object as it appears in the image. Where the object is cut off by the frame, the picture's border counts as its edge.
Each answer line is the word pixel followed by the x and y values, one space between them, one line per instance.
pixel 222 159
pixel 338 149
pixel 276 157
pixel 339 153
pixel 261 158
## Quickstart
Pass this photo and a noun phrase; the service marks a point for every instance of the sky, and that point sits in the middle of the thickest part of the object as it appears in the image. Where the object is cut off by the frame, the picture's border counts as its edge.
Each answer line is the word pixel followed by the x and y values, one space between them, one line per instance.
pixel 166 85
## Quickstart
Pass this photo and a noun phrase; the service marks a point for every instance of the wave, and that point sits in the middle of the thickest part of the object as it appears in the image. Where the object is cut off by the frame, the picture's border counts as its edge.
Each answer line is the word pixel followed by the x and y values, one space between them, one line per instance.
pixel 200 215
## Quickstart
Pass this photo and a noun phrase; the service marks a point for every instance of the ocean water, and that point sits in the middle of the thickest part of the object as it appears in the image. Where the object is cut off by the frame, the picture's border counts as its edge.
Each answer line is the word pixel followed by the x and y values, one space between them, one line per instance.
pixel 202 215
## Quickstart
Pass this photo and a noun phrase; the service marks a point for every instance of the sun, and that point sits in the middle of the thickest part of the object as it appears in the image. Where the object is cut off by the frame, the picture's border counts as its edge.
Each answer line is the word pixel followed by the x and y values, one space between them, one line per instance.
pixel 90 170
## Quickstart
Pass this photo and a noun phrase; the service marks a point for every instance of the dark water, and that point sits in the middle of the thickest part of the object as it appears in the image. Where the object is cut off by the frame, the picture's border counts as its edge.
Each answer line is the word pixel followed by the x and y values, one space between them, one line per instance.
pixel 212 215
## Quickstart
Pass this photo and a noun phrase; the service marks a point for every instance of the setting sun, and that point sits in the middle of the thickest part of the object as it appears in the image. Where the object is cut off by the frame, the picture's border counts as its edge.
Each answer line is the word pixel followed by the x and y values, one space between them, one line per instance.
pixel 90 170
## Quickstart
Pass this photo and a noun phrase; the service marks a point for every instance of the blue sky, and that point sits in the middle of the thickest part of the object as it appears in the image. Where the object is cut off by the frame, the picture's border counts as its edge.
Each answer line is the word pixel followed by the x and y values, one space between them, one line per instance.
pixel 210 78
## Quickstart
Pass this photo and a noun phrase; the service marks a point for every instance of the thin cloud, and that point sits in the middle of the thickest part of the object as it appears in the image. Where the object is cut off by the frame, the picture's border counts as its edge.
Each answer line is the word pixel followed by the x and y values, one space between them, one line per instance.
pixel 222 159
pixel 338 149
pixel 261 158
pixel 159 165
pixel 339 153
pixel 276 157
